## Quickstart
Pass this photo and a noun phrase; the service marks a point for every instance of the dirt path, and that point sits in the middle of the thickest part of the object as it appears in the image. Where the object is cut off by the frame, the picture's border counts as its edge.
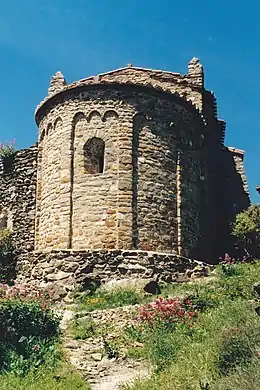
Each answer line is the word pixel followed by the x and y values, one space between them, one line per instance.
pixel 88 355
pixel 124 374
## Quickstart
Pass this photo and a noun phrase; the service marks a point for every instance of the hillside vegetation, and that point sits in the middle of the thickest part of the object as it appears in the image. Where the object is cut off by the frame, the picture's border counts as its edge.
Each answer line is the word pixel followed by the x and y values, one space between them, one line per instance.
pixel 202 335
pixel 220 348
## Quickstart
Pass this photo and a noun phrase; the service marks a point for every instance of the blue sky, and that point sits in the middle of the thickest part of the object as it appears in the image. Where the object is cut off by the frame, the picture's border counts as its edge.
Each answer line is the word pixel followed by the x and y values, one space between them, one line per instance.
pixel 85 37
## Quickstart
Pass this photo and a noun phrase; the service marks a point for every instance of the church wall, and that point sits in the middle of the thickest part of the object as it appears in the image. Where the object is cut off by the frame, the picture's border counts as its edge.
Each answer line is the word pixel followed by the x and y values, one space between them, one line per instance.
pixel 17 197
pixel 132 203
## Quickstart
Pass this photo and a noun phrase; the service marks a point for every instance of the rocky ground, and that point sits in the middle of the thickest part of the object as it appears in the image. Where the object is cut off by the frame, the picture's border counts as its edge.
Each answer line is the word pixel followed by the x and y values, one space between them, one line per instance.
pixel 89 355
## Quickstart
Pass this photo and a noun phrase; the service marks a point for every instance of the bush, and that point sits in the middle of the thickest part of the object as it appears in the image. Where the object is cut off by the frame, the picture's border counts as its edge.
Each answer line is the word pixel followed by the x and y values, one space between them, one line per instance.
pixel 247 230
pixel 28 355
pixel 241 378
pixel 82 328
pixel 161 348
pixel 167 313
pixel 7 261
pixel 28 328
pixel 6 245
pixel 238 282
pixel 160 324
pixel 7 148
pixel 235 350
pixel 45 378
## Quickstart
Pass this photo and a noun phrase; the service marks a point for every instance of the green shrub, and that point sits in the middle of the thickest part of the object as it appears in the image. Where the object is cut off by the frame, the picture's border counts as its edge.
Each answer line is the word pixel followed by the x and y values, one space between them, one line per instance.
pixel 6 245
pixel 161 348
pixel 241 378
pixel 82 328
pixel 160 323
pixel 7 149
pixel 28 328
pixel 45 378
pixel 239 284
pixel 28 355
pixel 235 350
pixel 134 333
pixel 7 261
pixel 247 230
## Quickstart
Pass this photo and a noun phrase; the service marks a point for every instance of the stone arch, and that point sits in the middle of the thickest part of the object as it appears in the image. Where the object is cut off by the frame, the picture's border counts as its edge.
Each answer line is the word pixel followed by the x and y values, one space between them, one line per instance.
pixel 42 135
pixel 78 117
pixel 49 129
pixel 3 221
pixel 94 151
pixel 110 114
pixel 58 123
pixel 94 115
pixel 6 220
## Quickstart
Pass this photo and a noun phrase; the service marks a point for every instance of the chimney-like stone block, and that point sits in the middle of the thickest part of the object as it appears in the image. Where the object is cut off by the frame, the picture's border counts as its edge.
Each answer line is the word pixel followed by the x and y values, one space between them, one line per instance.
pixel 196 72
pixel 57 83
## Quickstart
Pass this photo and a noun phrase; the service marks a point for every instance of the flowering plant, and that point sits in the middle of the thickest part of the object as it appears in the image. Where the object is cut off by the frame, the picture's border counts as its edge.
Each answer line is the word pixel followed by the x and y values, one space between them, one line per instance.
pixel 228 260
pixel 25 293
pixel 229 264
pixel 7 148
pixel 167 313
pixel 29 327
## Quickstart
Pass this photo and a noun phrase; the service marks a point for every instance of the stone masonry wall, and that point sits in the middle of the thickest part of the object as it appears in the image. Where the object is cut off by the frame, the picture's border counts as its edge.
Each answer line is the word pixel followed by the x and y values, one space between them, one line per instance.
pixel 94 196
pixel 53 185
pixel 191 207
pixel 155 192
pixel 17 197
pixel 232 195
pixel 133 203
pixel 87 214
pixel 67 268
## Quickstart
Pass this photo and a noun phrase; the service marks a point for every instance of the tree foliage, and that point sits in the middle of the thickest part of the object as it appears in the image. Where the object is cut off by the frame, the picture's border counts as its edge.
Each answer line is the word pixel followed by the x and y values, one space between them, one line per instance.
pixel 246 229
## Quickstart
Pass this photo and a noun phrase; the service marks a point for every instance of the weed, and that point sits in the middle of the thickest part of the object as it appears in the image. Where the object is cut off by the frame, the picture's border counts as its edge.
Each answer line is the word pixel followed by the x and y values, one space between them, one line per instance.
pixel 60 377
pixel 111 350
pixel 82 328
pixel 7 149
pixel 103 299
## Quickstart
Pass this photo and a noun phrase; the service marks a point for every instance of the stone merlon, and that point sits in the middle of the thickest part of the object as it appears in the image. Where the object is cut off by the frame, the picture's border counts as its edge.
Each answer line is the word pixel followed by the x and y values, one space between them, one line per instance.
pixel 57 83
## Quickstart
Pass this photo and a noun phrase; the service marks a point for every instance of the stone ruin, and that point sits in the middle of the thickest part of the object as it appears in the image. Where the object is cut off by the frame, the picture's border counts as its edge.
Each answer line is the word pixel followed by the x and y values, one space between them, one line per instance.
pixel 130 176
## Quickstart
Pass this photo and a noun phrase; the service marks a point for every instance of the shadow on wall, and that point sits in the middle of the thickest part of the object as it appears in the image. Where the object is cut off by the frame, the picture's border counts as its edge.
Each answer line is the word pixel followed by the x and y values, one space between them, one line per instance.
pixel 232 198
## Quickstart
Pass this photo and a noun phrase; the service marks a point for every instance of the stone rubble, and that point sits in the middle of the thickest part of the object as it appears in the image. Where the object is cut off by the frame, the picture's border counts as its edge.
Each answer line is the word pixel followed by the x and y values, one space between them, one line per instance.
pixel 88 355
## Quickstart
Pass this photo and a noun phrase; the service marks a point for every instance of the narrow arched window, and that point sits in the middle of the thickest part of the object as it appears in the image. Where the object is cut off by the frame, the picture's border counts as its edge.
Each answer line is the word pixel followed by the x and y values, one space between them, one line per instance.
pixel 94 150
pixel 3 221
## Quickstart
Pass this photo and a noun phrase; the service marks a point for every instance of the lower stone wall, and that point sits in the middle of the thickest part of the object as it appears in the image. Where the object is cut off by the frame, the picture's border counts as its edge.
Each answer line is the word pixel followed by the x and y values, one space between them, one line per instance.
pixel 17 196
pixel 68 268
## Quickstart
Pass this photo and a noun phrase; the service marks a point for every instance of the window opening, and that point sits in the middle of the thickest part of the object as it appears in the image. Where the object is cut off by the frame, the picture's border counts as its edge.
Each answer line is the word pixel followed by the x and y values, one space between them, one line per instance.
pixel 94 150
